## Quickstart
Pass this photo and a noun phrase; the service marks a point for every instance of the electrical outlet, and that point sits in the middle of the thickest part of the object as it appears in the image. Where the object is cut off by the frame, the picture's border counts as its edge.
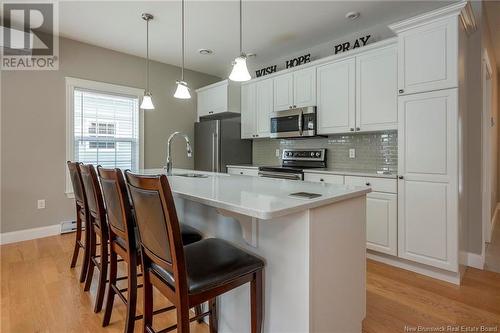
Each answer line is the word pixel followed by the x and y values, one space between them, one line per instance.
pixel 277 153
pixel 352 153
pixel 40 204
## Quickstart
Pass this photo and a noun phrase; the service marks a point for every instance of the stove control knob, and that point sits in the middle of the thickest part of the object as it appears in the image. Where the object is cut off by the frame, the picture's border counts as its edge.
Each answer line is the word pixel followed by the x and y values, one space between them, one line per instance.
pixel 312 154
pixel 318 154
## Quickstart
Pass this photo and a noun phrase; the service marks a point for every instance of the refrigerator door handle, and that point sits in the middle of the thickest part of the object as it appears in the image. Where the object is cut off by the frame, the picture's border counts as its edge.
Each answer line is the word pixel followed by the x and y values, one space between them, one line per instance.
pixel 213 152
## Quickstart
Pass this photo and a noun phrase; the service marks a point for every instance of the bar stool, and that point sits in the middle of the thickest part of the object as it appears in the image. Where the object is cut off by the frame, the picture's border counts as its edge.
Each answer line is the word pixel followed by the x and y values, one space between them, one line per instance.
pixel 191 275
pixel 98 227
pixel 123 242
pixel 81 218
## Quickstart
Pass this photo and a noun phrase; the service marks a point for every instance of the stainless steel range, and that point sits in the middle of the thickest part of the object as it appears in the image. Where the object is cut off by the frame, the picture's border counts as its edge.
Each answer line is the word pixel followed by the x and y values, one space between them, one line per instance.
pixel 294 161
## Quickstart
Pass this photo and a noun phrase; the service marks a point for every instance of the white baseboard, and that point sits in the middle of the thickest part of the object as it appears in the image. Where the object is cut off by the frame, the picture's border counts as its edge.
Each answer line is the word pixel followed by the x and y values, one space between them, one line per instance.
pixel 27 234
pixel 475 260
pixel 430 271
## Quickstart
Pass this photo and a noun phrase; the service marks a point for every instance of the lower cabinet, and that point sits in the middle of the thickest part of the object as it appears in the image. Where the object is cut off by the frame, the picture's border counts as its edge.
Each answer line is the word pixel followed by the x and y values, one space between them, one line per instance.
pixel 382 222
pixel 243 171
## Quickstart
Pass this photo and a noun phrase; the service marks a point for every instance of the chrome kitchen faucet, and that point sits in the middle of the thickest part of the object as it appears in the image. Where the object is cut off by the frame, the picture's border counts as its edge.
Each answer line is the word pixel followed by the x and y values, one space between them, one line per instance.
pixel 168 166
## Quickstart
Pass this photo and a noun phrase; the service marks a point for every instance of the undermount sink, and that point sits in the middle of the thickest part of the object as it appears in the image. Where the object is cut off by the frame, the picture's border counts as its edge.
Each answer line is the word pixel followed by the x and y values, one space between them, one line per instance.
pixel 191 175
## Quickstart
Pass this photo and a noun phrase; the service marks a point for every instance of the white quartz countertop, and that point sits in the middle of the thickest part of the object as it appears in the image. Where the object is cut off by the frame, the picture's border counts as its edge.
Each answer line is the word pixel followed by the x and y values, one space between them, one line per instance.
pixel 330 171
pixel 259 197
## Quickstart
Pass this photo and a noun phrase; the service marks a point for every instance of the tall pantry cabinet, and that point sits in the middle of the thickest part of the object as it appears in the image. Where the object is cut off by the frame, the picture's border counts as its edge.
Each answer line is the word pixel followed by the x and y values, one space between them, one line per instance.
pixel 431 49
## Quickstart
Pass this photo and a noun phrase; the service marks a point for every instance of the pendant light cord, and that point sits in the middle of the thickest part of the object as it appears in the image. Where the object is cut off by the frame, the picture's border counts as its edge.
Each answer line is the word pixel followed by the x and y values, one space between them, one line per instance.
pixel 147 54
pixel 241 34
pixel 182 69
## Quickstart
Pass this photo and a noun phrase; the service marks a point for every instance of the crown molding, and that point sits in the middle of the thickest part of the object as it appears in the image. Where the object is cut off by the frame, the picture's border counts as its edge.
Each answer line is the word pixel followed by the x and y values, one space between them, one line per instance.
pixel 455 9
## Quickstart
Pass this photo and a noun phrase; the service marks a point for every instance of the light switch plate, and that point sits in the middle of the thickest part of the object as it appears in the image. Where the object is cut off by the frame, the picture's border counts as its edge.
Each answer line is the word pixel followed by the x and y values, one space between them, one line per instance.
pixel 277 153
pixel 352 153
pixel 40 204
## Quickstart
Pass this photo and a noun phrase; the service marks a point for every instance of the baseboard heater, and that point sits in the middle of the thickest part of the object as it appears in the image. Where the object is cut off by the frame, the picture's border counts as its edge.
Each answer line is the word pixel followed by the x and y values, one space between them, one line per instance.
pixel 68 226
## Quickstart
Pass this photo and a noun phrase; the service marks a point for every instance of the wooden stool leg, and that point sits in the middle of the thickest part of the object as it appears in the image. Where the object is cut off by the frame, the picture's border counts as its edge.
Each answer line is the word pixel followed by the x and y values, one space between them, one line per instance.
pixel 102 276
pixel 78 238
pixel 111 292
pixel 91 254
pixel 256 302
pixel 148 299
pixel 182 319
pixel 198 311
pixel 214 320
pixel 132 293
pixel 86 251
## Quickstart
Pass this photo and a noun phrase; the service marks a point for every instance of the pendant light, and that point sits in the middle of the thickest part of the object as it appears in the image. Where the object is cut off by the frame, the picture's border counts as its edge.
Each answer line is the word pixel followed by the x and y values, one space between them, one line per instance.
pixel 147 102
pixel 240 70
pixel 182 90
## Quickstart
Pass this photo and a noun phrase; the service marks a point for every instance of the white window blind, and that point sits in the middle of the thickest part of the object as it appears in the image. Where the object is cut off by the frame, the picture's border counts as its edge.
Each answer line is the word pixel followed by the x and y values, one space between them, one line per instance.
pixel 106 129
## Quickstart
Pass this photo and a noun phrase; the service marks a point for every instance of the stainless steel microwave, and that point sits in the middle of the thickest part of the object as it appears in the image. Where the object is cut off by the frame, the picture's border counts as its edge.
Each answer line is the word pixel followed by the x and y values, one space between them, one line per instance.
pixel 294 123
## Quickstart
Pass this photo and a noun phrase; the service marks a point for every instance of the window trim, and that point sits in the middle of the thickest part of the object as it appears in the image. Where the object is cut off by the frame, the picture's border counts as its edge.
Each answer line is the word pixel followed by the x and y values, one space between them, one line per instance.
pixel 71 84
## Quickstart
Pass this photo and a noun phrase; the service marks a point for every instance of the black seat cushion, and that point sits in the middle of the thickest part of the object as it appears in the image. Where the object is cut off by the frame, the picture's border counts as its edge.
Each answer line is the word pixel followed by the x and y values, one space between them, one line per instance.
pixel 189 236
pixel 212 262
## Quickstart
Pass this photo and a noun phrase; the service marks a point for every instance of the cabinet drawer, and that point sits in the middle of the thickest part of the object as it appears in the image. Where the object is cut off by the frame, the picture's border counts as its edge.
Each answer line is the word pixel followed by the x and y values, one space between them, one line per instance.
pixel 243 171
pixel 377 184
pixel 317 177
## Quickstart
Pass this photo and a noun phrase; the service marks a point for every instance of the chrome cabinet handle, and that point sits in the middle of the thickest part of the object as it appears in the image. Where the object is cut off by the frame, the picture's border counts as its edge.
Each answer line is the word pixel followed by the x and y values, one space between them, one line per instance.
pixel 321 180
pixel 358 129
pixel 401 177
pixel 300 122
pixel 210 112
pixel 401 91
pixel 351 129
pixel 368 184
pixel 295 106
pixel 213 152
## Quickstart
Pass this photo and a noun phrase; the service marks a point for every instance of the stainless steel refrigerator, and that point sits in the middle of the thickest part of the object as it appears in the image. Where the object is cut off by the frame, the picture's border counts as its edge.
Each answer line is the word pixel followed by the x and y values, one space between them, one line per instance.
pixel 218 143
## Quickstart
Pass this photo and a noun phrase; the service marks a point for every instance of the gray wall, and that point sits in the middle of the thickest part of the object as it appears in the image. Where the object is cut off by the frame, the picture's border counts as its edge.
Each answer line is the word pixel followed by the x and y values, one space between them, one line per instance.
pixel 33 127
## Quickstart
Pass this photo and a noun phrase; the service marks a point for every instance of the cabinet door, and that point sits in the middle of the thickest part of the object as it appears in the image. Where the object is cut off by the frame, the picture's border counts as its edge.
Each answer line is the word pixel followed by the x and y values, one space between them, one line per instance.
pixel 327 178
pixel 248 129
pixel 203 103
pixel 428 57
pixel 264 106
pixel 283 92
pixel 376 90
pixel 242 171
pixel 428 192
pixel 336 97
pixel 304 87
pixel 213 100
pixel 381 222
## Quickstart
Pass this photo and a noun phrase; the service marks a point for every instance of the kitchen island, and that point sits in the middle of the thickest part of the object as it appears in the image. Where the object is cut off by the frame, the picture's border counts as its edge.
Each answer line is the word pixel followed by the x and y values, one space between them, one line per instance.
pixel 314 249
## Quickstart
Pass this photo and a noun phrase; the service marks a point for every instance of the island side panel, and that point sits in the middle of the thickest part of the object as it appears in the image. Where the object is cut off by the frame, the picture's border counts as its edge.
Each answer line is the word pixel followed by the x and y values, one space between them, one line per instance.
pixel 338 266
pixel 284 245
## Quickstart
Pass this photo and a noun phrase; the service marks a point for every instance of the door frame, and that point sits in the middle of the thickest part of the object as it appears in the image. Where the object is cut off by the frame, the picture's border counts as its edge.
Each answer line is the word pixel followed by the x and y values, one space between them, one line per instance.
pixel 486 148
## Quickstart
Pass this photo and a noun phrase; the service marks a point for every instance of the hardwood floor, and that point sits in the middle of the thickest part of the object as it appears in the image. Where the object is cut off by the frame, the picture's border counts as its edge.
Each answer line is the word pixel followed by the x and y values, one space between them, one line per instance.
pixel 40 293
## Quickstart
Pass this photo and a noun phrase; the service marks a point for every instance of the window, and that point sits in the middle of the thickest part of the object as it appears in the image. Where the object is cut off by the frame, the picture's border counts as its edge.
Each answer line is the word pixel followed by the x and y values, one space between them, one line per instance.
pixel 104 125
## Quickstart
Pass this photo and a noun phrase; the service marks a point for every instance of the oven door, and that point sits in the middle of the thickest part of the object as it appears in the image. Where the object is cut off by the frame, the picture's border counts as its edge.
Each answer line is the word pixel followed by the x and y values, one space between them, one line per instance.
pixel 293 123
pixel 281 175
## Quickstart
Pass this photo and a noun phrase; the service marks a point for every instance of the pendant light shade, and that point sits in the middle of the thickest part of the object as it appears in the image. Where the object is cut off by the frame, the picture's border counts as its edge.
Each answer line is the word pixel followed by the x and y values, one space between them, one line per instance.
pixel 147 101
pixel 240 69
pixel 182 91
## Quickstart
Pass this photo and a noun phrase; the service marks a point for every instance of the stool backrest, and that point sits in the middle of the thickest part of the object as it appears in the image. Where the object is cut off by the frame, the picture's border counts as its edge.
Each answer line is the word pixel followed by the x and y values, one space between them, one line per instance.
pixel 76 181
pixel 118 208
pixel 158 225
pixel 94 195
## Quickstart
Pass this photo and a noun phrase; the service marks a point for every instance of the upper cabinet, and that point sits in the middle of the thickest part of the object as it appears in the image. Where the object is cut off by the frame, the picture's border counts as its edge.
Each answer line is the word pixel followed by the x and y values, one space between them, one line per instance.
pixel 256 106
pixel 294 90
pixel 359 94
pixel 219 97
pixel 376 85
pixel 428 55
pixel 336 97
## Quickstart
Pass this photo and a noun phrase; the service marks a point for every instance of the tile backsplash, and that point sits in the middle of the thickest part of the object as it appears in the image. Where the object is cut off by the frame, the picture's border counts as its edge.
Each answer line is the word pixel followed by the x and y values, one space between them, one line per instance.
pixel 377 151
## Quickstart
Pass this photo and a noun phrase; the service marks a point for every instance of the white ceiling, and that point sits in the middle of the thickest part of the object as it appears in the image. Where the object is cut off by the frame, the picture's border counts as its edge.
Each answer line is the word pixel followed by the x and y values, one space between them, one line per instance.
pixel 271 28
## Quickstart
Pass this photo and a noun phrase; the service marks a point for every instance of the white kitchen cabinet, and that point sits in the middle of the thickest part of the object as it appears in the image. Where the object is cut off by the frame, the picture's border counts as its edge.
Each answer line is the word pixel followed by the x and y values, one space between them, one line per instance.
pixel 428 55
pixel 322 177
pixel 336 97
pixel 264 107
pixel 243 171
pixel 248 100
pixel 283 92
pixel 256 106
pixel 376 90
pixel 382 222
pixel 428 184
pixel 295 90
pixel 219 97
